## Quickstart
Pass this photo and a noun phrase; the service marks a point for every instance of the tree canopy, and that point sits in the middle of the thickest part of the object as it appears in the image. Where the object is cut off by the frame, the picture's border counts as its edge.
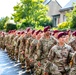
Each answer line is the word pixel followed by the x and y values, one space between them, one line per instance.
pixel 31 13
pixel 71 17
pixel 2 22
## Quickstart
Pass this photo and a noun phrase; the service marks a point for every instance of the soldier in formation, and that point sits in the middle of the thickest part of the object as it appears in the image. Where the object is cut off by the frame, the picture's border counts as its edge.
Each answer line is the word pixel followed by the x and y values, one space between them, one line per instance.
pixel 41 52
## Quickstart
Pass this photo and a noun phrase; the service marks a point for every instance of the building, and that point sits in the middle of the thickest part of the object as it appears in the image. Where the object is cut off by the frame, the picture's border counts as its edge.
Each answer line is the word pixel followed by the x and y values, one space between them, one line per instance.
pixel 53 12
pixel 57 12
pixel 67 8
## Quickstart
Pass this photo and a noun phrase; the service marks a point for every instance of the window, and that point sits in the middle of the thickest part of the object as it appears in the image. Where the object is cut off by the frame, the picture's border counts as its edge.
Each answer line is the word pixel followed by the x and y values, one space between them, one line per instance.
pixel 64 18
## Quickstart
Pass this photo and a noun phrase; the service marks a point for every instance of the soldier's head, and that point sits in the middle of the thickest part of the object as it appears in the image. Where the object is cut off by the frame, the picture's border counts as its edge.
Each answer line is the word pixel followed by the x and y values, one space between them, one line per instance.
pixel 74 34
pixel 38 34
pixel 69 32
pixel 67 36
pixel 18 33
pixel 29 31
pixel 55 33
pixel 33 34
pixel 47 30
pixel 62 37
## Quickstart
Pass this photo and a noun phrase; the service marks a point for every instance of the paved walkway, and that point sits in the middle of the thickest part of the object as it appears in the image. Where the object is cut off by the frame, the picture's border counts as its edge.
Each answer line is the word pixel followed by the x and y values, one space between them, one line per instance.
pixel 9 67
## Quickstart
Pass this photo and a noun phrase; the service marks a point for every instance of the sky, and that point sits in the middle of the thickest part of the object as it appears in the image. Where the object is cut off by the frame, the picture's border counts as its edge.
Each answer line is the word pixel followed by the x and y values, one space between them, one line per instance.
pixel 6 6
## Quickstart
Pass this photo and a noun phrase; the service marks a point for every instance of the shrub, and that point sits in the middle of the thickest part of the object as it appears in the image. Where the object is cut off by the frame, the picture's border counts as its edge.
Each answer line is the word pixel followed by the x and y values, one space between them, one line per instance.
pixel 10 26
pixel 63 25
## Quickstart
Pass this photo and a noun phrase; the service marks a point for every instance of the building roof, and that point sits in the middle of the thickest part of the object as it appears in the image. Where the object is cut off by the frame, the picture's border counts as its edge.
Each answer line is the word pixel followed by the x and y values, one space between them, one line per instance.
pixel 68 6
pixel 54 8
pixel 48 1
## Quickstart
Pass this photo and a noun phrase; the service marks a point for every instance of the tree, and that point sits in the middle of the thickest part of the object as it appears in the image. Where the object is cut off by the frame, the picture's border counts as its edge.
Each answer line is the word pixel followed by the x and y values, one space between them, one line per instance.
pixel 2 22
pixel 71 17
pixel 31 13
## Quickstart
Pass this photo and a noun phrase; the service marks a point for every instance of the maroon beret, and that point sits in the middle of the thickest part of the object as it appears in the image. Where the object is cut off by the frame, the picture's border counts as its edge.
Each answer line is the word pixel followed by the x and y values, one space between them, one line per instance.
pixel 28 29
pixel 55 31
pixel 9 32
pixel 74 33
pixel 61 34
pixel 37 32
pixel 14 30
pixel 22 32
pixel 46 28
pixel 18 33
pixel 33 31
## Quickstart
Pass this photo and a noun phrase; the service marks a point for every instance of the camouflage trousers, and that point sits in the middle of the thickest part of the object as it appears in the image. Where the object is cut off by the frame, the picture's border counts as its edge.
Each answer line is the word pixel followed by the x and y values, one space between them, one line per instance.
pixel 39 68
pixel 22 59
pixel 73 71
pixel 51 69
pixel 16 55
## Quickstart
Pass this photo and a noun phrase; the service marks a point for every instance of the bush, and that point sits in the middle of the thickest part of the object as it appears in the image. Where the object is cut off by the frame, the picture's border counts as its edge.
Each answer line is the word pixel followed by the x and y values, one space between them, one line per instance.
pixel 63 25
pixel 10 26
pixel 39 27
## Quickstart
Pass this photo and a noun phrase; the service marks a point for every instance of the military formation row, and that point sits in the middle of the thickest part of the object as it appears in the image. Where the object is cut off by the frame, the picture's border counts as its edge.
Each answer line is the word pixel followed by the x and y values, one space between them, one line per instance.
pixel 42 52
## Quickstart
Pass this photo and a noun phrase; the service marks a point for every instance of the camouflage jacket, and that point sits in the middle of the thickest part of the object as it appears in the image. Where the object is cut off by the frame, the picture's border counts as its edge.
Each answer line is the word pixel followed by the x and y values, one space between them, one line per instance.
pixel 43 47
pixel 61 56
pixel 72 43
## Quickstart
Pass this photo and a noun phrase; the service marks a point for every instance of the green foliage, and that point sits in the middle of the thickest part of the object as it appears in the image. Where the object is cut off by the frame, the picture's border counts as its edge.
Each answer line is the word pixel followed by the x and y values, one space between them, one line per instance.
pixel 71 17
pixel 39 27
pixel 2 22
pixel 63 25
pixel 54 28
pixel 31 13
pixel 10 26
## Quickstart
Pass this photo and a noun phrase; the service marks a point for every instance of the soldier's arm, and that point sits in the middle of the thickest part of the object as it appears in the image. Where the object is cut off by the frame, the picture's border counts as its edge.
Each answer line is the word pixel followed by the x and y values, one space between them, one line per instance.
pixel 32 48
pixel 27 46
pixel 55 40
pixel 39 52
pixel 51 54
pixel 70 55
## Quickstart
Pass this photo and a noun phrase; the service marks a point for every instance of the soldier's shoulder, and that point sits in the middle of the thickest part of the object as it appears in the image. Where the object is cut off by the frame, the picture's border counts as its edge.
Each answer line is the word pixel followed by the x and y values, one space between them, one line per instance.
pixel 54 47
pixel 68 46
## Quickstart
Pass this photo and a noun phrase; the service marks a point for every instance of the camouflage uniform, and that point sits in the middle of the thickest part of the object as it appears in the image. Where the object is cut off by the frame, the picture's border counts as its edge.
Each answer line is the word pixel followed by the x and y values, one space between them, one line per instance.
pixel 11 36
pixel 61 57
pixel 6 43
pixel 73 65
pixel 12 47
pixel 27 53
pixel 43 47
pixel 72 43
pixel 33 54
pixel 15 47
pixel 1 41
pixel 22 50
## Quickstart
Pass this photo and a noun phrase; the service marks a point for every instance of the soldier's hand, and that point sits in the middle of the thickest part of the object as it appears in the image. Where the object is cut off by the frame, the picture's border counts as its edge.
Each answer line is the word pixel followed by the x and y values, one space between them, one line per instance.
pixel 39 64
pixel 31 60
pixel 22 52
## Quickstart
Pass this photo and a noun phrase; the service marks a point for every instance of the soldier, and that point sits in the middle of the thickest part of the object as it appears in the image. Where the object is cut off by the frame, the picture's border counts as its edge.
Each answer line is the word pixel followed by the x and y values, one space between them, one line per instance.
pixel 6 42
pixel 60 55
pixel 43 47
pixel 3 40
pixel 55 33
pixel 12 47
pixel 32 51
pixel 27 51
pixel 73 65
pixel 22 49
pixel 33 48
pixel 72 41
pixel 68 36
pixel 17 46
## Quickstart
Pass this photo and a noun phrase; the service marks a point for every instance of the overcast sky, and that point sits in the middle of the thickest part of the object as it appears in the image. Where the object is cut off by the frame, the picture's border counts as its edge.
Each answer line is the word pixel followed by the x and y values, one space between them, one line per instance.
pixel 6 6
